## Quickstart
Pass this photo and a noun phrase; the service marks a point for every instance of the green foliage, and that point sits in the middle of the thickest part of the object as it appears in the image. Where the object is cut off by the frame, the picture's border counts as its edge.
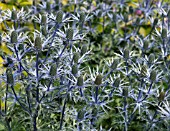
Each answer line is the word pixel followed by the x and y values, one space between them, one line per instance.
pixel 89 65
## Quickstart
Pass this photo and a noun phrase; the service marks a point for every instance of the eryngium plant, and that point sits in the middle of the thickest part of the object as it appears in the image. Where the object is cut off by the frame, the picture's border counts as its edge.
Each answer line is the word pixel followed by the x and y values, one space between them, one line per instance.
pixel 45 68
pixel 47 86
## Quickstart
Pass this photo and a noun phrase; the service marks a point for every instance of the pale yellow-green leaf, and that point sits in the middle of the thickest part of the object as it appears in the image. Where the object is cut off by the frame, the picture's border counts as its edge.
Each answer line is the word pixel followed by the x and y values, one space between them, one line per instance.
pixel 64 2
pixel 94 2
pixel 2 127
pixel 18 86
pixel 26 3
pixel 144 31
pixel 168 57
pixel 1 65
pixel 3 84
pixel 6 6
pixel 113 31
pixel 5 49
pixel 2 104
pixel 25 73
pixel 99 28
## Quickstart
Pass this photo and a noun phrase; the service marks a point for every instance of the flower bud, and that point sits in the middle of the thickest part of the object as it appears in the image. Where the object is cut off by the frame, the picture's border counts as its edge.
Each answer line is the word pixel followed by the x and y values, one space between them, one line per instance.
pixel 151 58
pixel 145 45
pixel 161 96
pixel 143 71
pixel 10 79
pixel 131 10
pixel 14 15
pixel 164 33
pixel 98 80
pixel 70 33
pixel 53 69
pixel 38 44
pixel 76 57
pixel 116 82
pixel 155 22
pixel 74 69
pixel 153 75
pixel 43 19
pixel 115 64
pixel 14 37
pixel 82 16
pixel 80 81
pixel 83 49
pixel 126 53
pixel 125 92
pixel 59 17
pixel 44 31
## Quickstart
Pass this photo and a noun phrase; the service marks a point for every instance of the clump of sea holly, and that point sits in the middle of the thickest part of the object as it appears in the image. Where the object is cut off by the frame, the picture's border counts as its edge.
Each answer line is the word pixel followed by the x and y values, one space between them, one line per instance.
pixel 98 80
pixel 69 34
pixel 125 92
pixel 14 37
pixel 9 75
pixel 83 49
pixel 44 31
pixel 164 33
pixel 151 58
pixel 145 45
pixel 80 81
pixel 126 53
pixel 14 15
pixel 116 82
pixel 153 75
pixel 74 69
pixel 59 17
pixel 53 69
pixel 161 96
pixel 76 57
pixel 44 20
pixel 82 16
pixel 115 64
pixel 38 43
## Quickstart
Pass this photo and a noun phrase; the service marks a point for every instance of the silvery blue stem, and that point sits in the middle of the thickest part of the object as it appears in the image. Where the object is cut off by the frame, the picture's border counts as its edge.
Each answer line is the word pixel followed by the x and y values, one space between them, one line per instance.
pixel 37 78
pixel 17 99
pixel 6 98
pixel 64 106
pixel 156 112
pixel 147 93
pixel 125 114
pixel 96 94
